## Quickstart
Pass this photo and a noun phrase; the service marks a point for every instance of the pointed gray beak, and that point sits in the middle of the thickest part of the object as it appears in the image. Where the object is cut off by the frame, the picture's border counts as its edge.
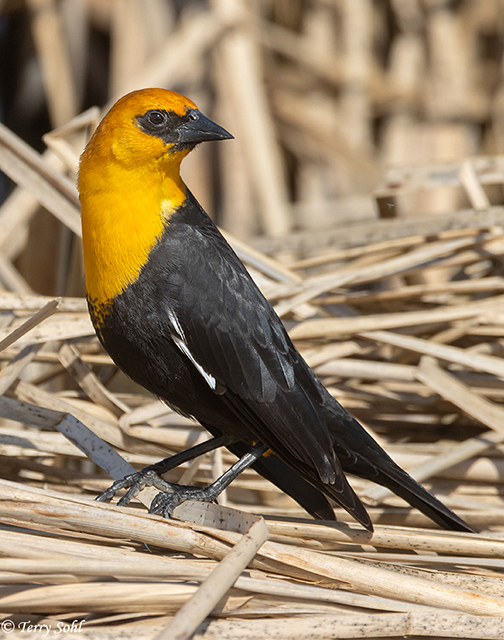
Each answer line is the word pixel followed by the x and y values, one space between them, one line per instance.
pixel 199 128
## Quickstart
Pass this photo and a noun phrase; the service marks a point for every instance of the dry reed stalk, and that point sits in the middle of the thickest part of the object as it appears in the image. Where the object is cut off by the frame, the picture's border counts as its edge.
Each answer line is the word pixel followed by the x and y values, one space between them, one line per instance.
pixel 241 61
pixel 380 322
pixel 358 626
pixel 215 587
pixel 48 32
pixel 27 168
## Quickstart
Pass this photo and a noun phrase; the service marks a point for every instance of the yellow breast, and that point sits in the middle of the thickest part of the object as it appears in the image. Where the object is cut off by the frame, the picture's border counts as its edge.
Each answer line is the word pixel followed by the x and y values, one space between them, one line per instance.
pixel 121 222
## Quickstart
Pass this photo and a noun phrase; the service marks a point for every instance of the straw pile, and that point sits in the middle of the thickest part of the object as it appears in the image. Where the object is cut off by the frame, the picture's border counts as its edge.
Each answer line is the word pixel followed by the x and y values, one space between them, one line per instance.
pixel 399 311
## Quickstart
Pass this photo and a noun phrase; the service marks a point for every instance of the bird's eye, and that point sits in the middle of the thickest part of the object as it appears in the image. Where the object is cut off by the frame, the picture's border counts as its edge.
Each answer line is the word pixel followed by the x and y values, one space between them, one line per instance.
pixel 156 118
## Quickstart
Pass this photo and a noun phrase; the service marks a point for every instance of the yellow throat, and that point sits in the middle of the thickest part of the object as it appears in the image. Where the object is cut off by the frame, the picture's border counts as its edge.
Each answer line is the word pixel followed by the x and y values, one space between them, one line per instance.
pixel 124 213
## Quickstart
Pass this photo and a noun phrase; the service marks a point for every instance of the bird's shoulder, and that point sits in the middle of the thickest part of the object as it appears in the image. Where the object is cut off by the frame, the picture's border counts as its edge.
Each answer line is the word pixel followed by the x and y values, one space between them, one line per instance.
pixel 200 296
pixel 220 314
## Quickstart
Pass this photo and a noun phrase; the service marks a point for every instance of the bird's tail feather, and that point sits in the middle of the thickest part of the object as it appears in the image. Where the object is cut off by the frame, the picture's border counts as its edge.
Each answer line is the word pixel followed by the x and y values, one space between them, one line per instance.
pixel 342 493
pixel 361 455
pixel 403 485
pixel 289 481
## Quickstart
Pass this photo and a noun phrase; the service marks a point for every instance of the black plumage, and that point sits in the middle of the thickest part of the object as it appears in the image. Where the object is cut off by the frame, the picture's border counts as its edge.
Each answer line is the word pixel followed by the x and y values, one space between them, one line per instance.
pixel 195 330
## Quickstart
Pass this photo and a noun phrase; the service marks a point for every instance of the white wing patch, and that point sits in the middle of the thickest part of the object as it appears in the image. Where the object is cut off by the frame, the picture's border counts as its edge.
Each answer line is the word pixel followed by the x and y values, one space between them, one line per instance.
pixel 176 324
pixel 179 341
pixel 185 349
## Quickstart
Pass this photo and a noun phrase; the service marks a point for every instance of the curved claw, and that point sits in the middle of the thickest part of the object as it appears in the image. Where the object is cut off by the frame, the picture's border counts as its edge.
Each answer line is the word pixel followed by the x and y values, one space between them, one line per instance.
pixel 164 503
pixel 135 482
pixel 109 493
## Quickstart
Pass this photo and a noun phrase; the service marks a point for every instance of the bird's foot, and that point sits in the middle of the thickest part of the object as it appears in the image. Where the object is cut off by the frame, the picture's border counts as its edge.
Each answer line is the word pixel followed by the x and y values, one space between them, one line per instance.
pixel 134 483
pixel 170 496
pixel 164 503
pixel 174 494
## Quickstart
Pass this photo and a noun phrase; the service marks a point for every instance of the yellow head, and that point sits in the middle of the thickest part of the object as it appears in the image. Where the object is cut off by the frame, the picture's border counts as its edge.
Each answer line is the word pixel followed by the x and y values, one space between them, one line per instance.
pixel 147 128
pixel 129 183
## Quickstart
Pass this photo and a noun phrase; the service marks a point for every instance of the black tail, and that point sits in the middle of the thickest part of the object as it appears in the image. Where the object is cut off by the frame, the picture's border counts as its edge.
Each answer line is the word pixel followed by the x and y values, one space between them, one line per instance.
pixel 374 464
pixel 361 456
pixel 403 485
pixel 290 482
pixel 309 492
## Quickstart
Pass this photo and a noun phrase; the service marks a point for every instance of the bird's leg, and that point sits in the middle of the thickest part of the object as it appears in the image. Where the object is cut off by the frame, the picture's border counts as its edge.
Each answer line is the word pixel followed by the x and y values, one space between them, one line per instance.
pixel 151 476
pixel 164 503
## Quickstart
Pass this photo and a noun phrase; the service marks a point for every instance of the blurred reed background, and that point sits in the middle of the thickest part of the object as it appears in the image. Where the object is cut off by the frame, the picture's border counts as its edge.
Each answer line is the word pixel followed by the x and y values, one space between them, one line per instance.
pixel 364 191
pixel 321 95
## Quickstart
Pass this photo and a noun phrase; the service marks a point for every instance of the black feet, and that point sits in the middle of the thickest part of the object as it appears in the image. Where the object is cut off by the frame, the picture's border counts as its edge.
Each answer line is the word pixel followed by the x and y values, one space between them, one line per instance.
pixel 151 475
pixel 148 477
pixel 174 494
pixel 164 503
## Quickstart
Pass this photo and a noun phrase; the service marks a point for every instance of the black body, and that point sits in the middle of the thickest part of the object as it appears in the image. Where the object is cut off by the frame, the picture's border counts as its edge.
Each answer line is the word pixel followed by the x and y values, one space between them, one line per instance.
pixel 195 287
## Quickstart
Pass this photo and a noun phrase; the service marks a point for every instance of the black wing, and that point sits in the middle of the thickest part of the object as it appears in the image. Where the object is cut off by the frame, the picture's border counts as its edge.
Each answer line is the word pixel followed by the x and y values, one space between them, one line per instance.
pixel 223 323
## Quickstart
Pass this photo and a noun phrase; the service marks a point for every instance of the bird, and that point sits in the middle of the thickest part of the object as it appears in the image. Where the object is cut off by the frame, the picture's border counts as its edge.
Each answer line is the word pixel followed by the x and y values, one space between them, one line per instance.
pixel 178 313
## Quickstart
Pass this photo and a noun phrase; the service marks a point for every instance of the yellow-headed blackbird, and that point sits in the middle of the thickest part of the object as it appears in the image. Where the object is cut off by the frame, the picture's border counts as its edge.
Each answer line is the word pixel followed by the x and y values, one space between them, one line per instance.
pixel 177 311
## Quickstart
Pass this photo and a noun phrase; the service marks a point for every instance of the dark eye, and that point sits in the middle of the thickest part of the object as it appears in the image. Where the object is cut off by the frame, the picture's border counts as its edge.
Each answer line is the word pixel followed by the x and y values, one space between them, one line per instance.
pixel 156 118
